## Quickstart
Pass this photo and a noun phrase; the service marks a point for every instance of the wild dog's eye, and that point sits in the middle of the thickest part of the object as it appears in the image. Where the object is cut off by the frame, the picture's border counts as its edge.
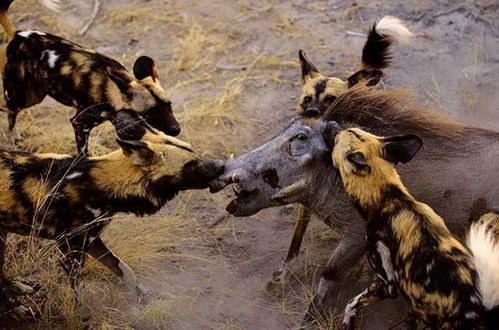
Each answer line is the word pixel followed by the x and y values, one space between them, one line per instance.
pixel 307 99
pixel 330 98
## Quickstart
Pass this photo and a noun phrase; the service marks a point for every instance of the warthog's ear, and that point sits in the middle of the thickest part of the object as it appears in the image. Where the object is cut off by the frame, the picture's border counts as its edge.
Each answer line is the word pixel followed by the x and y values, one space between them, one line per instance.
pixel 145 67
pixel 332 128
pixel 308 70
pixel 138 152
pixel 401 148
pixel 359 162
pixel 370 77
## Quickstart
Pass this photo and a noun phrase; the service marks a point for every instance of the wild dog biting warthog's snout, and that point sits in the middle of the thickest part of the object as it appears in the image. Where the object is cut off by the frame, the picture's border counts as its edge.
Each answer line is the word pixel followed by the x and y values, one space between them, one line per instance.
pixel 35 64
pixel 446 285
pixel 456 171
pixel 71 199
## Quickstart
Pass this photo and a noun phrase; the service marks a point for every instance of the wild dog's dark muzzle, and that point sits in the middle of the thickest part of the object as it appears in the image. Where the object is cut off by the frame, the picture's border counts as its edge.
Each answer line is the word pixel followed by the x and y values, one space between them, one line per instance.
pixel 161 118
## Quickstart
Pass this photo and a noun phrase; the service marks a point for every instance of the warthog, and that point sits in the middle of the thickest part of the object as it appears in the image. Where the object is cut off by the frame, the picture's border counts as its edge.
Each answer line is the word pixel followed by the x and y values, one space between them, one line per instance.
pixel 455 173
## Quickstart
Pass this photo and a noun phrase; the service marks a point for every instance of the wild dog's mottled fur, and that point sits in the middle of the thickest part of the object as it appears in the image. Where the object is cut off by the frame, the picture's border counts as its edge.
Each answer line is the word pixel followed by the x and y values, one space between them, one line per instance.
pixel 408 244
pixel 320 91
pixel 35 64
pixel 69 198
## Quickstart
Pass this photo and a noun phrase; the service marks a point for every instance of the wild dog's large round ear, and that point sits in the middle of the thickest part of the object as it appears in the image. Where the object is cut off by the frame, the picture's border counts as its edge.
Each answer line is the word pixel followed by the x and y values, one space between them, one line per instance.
pixel 332 128
pixel 145 67
pixel 370 77
pixel 401 148
pixel 308 70
pixel 138 152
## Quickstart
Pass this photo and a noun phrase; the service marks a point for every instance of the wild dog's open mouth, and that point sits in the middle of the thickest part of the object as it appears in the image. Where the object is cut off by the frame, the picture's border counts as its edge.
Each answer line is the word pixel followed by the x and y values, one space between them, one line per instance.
pixel 242 196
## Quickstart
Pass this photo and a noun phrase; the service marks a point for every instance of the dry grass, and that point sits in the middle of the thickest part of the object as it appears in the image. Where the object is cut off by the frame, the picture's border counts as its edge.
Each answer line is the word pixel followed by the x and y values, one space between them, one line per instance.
pixel 145 244
pixel 209 104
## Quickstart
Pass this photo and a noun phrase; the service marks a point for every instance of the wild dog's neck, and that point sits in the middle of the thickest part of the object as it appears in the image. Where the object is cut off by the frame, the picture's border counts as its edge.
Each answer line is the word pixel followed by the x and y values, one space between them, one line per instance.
pixel 115 175
pixel 370 192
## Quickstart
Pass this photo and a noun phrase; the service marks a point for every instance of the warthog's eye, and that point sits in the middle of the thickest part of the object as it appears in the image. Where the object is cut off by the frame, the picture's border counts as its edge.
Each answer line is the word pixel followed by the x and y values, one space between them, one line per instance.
pixel 301 136
pixel 330 98
pixel 307 99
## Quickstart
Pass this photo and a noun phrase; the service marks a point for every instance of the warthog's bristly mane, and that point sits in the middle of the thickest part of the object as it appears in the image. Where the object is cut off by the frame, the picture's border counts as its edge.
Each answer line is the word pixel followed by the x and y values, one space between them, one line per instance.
pixel 390 112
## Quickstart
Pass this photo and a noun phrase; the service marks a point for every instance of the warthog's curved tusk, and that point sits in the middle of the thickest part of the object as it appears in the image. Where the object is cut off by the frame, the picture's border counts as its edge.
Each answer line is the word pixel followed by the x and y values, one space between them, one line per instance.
pixel 289 191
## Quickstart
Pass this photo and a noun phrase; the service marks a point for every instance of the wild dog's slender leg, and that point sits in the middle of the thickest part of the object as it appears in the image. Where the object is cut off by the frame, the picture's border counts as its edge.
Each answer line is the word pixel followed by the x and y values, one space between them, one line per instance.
pixel 82 133
pixel 376 291
pixel 346 255
pixel 73 250
pixel 302 220
pixel 83 122
pixel 101 252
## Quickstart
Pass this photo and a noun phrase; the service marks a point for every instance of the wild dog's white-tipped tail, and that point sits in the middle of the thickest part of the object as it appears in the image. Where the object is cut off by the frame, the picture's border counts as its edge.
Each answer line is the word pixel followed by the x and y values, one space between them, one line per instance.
pixel 386 31
pixel 56 5
pixel 484 246
pixel 393 27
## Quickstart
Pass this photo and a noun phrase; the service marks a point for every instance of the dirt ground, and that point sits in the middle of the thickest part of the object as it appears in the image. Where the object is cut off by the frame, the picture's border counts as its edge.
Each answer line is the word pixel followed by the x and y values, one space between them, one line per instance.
pixel 206 270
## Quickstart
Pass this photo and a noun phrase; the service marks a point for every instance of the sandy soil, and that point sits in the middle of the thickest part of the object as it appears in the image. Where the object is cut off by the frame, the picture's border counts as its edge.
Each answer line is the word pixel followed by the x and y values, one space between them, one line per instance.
pixel 218 280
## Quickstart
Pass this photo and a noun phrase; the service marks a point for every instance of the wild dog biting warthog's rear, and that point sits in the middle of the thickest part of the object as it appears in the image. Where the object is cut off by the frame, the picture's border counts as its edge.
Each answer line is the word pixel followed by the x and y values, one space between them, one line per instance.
pixel 455 173
pixel 71 199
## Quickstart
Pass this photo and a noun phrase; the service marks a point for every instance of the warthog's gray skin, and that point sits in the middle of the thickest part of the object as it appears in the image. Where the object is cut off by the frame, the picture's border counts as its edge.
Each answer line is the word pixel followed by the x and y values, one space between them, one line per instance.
pixel 458 177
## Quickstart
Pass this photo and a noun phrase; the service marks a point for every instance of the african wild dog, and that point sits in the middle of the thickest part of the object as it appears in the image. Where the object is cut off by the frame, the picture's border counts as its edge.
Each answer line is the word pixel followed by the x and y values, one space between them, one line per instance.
pixel 319 92
pixel 36 64
pixel 409 246
pixel 71 199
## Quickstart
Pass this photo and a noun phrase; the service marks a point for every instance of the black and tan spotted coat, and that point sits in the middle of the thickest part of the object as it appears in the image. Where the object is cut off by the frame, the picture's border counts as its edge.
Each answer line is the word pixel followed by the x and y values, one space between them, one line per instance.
pixel 35 64
pixel 409 245
pixel 71 199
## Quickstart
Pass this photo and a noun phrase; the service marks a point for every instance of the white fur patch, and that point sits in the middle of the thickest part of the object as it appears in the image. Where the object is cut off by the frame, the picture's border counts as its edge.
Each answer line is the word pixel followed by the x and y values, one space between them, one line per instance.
pixel 386 260
pixel 395 28
pixel 73 175
pixel 27 33
pixel 485 250
pixel 53 57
